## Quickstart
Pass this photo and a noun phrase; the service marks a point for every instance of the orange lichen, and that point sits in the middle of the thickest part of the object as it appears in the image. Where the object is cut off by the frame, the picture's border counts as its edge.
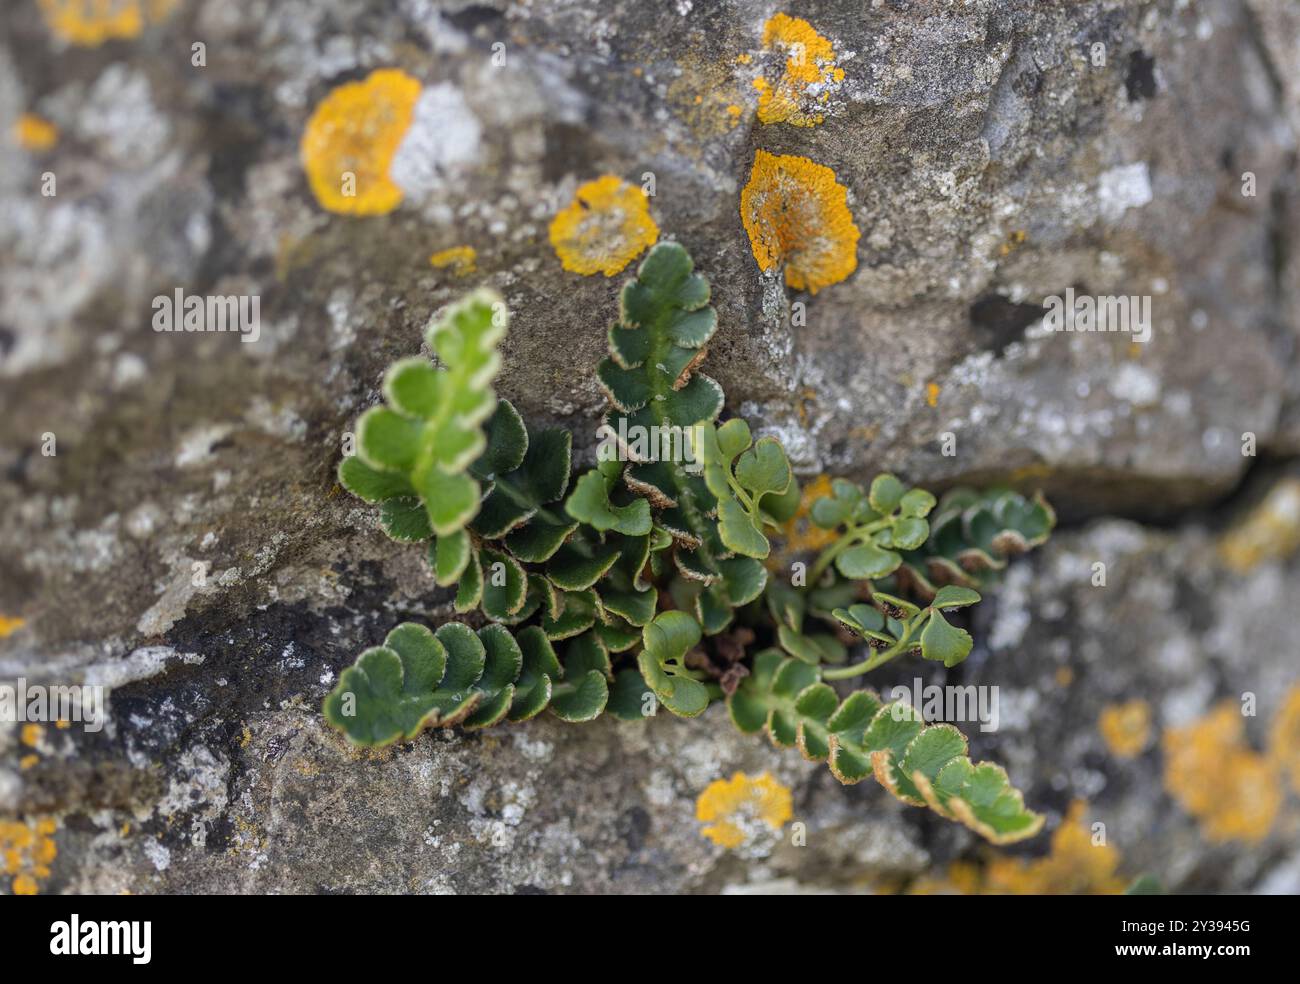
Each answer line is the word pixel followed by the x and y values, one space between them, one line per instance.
pixel 702 95
pixel 734 808
pixel 800 534
pixel 807 75
pixel 932 394
pixel 1219 779
pixel 89 23
pixel 35 134
pixel 1284 738
pixel 1270 532
pixel 31 735
pixel 1074 866
pixel 26 852
pixel 28 761
pixel 604 228
pixel 1126 728
pixel 10 624
pixel 1013 241
pixel 462 260
pixel 796 213
pixel 351 139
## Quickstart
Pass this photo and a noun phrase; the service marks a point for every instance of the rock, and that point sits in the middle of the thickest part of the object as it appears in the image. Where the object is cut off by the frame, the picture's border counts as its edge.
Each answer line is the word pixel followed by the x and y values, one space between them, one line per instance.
pixel 170 523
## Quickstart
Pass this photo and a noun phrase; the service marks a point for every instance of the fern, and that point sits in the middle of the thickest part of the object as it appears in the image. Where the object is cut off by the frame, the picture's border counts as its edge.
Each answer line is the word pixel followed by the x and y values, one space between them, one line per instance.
pixel 420 679
pixel 923 765
pixel 412 453
pixel 654 387
pixel 973 536
pixel 639 586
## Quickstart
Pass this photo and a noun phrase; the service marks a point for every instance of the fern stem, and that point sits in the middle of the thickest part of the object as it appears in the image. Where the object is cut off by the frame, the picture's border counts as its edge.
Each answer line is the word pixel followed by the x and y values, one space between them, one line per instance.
pixel 853 535
pixel 905 642
pixel 866 666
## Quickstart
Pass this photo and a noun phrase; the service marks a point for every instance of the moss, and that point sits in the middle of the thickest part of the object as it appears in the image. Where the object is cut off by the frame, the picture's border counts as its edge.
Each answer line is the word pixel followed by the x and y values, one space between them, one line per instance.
pixel 604 228
pixel 356 130
pixel 796 214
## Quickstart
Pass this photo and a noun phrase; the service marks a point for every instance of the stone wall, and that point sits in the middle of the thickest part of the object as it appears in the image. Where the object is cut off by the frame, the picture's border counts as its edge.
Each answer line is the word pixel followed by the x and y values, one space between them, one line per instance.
pixel 992 156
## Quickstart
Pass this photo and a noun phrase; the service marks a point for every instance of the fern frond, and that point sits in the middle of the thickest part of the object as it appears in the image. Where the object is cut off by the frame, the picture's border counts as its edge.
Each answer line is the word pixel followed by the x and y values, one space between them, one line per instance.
pixel 413 452
pixel 421 679
pixel 922 765
pixel 973 536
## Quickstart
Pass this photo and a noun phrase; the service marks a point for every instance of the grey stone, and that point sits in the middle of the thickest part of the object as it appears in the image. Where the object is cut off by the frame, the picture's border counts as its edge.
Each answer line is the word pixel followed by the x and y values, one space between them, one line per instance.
pixel 989 165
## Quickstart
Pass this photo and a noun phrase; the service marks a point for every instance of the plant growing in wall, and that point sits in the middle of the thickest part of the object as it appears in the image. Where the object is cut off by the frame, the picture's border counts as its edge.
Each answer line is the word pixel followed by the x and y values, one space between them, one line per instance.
pixel 641 582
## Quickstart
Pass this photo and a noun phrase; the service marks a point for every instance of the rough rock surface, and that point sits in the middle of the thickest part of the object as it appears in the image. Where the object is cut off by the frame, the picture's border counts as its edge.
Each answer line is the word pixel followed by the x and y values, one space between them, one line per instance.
pixel 989 162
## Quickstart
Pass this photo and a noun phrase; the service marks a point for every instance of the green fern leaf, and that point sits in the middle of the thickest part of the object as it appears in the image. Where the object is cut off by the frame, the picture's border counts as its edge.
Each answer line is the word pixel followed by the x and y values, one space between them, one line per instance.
pixel 418 446
pixel 923 765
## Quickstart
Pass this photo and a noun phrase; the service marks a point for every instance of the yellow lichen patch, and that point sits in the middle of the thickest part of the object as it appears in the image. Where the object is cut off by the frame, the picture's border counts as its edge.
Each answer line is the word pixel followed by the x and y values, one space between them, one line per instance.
pixel 461 260
pixel 736 809
pixel 1126 728
pixel 706 97
pixel 27 850
pixel 961 878
pixel 90 23
pixel 1013 241
pixel 9 625
pixel 604 228
pixel 796 213
pixel 800 534
pixel 932 394
pixel 1075 865
pixel 35 134
pixel 1029 473
pixel 1219 779
pixel 351 138
pixel 28 761
pixel 1270 532
pixel 1284 738
pixel 807 76
pixel 31 735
